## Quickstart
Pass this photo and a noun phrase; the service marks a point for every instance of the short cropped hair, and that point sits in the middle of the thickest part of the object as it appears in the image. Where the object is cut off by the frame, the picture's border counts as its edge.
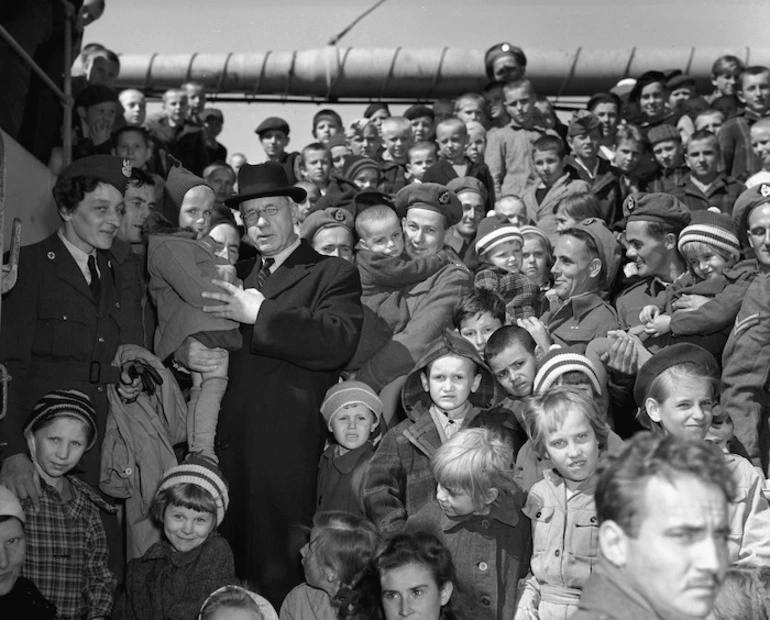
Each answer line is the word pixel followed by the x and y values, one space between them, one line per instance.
pixel 703 134
pixel 628 133
pixel 623 477
pixel 658 230
pixel 395 123
pixel 476 461
pixel 545 414
pixel 752 71
pixel 183 495
pixel 376 213
pixel 507 337
pixel 549 143
pixel 422 145
pixel 727 64
pixel 128 129
pixel 520 83
pixel 580 206
pixel 173 91
pixel 475 97
pixel 313 147
pixel 478 301
pixel 102 51
pixel 590 244
pixel 452 123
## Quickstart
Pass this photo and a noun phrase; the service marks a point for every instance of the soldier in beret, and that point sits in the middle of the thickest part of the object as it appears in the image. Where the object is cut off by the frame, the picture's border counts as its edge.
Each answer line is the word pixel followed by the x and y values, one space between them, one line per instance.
pixel 653 224
pixel 330 232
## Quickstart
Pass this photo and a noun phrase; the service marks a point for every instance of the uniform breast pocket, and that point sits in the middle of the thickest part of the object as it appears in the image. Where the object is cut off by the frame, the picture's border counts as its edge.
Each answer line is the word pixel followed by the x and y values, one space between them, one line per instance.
pixel 542 523
pixel 63 330
pixel 585 540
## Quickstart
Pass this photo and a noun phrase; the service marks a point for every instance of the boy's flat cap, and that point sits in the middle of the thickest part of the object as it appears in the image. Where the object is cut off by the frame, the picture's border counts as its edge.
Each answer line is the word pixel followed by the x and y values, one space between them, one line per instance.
pixel 659 133
pixel 500 50
pixel 657 207
pixel 272 123
pixel 430 196
pixel 418 111
pixel 213 113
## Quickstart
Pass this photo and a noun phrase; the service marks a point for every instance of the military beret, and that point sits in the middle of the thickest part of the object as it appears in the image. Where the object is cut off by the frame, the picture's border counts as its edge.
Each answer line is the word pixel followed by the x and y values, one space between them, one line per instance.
pixel 370 198
pixel 468 184
pixel 598 98
pixel 582 122
pixel 96 94
pixel 673 355
pixel 746 203
pixel 657 207
pixel 610 251
pixel 107 168
pixel 500 50
pixel 213 113
pixel 644 80
pixel 659 133
pixel 272 123
pixel 418 111
pixel 430 196
pixel 326 218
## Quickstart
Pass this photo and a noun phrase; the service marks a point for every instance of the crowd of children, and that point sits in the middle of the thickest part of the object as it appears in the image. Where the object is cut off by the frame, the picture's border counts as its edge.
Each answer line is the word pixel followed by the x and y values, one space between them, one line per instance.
pixel 464 488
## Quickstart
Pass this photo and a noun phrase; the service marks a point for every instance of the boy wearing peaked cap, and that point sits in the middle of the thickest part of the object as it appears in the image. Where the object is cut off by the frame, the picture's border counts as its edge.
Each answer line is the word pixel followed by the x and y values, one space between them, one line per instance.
pixel 584 137
pixel 498 244
pixel 709 246
pixel 273 133
pixel 504 62
pixel 653 223
pixel 97 109
pixel 353 414
pixel 399 480
pixel 666 144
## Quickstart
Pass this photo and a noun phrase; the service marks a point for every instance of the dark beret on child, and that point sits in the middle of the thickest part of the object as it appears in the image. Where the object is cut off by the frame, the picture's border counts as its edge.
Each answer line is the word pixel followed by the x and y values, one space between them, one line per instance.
pixel 272 123
pixel 418 111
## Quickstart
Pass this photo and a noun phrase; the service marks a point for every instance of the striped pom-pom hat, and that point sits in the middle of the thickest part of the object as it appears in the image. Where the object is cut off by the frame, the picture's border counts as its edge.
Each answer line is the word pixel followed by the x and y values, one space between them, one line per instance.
pixel 560 361
pixel 204 474
pixel 63 403
pixel 493 231
pixel 715 229
pixel 350 393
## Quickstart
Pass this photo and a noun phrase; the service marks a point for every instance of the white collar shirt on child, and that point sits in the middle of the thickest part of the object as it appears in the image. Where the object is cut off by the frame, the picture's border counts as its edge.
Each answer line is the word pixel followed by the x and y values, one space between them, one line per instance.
pixel 446 426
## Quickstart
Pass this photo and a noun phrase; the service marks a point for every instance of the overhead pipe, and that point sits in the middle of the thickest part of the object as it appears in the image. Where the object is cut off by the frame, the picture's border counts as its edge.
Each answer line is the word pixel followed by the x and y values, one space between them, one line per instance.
pixel 338 73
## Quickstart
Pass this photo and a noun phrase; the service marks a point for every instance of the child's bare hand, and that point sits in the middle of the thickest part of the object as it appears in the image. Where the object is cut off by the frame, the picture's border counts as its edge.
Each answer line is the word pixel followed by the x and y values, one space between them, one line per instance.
pixel 649 313
pixel 659 326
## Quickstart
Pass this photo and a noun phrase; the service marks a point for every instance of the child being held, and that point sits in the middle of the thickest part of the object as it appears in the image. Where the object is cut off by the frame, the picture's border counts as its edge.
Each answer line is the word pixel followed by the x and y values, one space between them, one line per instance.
pixel 676 390
pixel 66 544
pixel 352 411
pixel 477 513
pixel 556 183
pixel 569 429
pixel 176 575
pixel 444 393
pixel 498 244
pixel 711 249
pixel 341 547
pixel 181 267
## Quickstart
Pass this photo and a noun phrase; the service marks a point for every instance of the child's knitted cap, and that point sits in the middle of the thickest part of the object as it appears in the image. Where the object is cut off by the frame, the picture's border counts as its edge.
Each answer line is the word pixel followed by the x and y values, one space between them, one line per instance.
pixel 71 403
pixel 714 228
pixel 10 506
pixel 180 181
pixel 493 231
pixel 354 164
pixel 558 362
pixel 350 393
pixel 204 474
pixel 663 132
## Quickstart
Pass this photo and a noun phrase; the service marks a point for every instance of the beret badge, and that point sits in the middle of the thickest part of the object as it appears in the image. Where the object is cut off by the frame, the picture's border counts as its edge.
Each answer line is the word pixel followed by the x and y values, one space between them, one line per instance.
pixel 631 203
pixel 764 190
pixel 443 198
pixel 127 168
pixel 338 215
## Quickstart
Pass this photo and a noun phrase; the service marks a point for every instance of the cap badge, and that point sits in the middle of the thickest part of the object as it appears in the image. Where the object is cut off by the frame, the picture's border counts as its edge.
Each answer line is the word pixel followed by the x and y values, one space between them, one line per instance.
pixel 127 168
pixel 630 203
pixel 505 47
pixel 764 190
pixel 443 198
pixel 338 215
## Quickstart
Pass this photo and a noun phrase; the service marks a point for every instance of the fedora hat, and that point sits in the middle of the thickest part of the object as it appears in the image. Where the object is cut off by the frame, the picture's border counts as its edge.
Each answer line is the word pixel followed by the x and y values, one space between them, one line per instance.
pixel 268 179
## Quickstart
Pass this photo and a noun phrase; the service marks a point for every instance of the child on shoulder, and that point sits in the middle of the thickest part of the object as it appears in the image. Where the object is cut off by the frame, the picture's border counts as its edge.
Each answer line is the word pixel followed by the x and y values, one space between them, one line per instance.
pixel 181 266
pixel 443 394
pixel 176 575
pixel 499 243
pixel 477 513
pixel 569 429
pixel 66 544
pixel 352 411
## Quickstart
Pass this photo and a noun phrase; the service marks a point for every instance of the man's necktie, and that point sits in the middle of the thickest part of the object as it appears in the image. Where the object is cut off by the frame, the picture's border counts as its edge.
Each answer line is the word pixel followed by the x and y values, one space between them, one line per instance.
pixel 264 272
pixel 94 285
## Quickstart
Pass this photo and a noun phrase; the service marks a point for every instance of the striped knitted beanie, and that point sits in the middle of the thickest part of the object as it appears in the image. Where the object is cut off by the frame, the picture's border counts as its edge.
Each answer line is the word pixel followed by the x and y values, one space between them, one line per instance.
pixel 495 230
pixel 715 229
pixel 559 362
pixel 69 403
pixel 350 393
pixel 204 474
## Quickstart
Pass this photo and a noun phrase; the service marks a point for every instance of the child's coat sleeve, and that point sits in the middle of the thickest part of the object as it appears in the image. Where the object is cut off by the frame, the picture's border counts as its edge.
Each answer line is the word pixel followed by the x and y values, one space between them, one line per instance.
pixel 716 314
pixel 385 487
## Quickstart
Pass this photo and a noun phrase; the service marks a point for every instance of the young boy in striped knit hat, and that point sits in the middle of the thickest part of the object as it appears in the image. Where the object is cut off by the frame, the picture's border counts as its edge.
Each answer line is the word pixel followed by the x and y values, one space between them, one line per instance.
pixel 174 577
pixel 498 244
pixel 711 250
